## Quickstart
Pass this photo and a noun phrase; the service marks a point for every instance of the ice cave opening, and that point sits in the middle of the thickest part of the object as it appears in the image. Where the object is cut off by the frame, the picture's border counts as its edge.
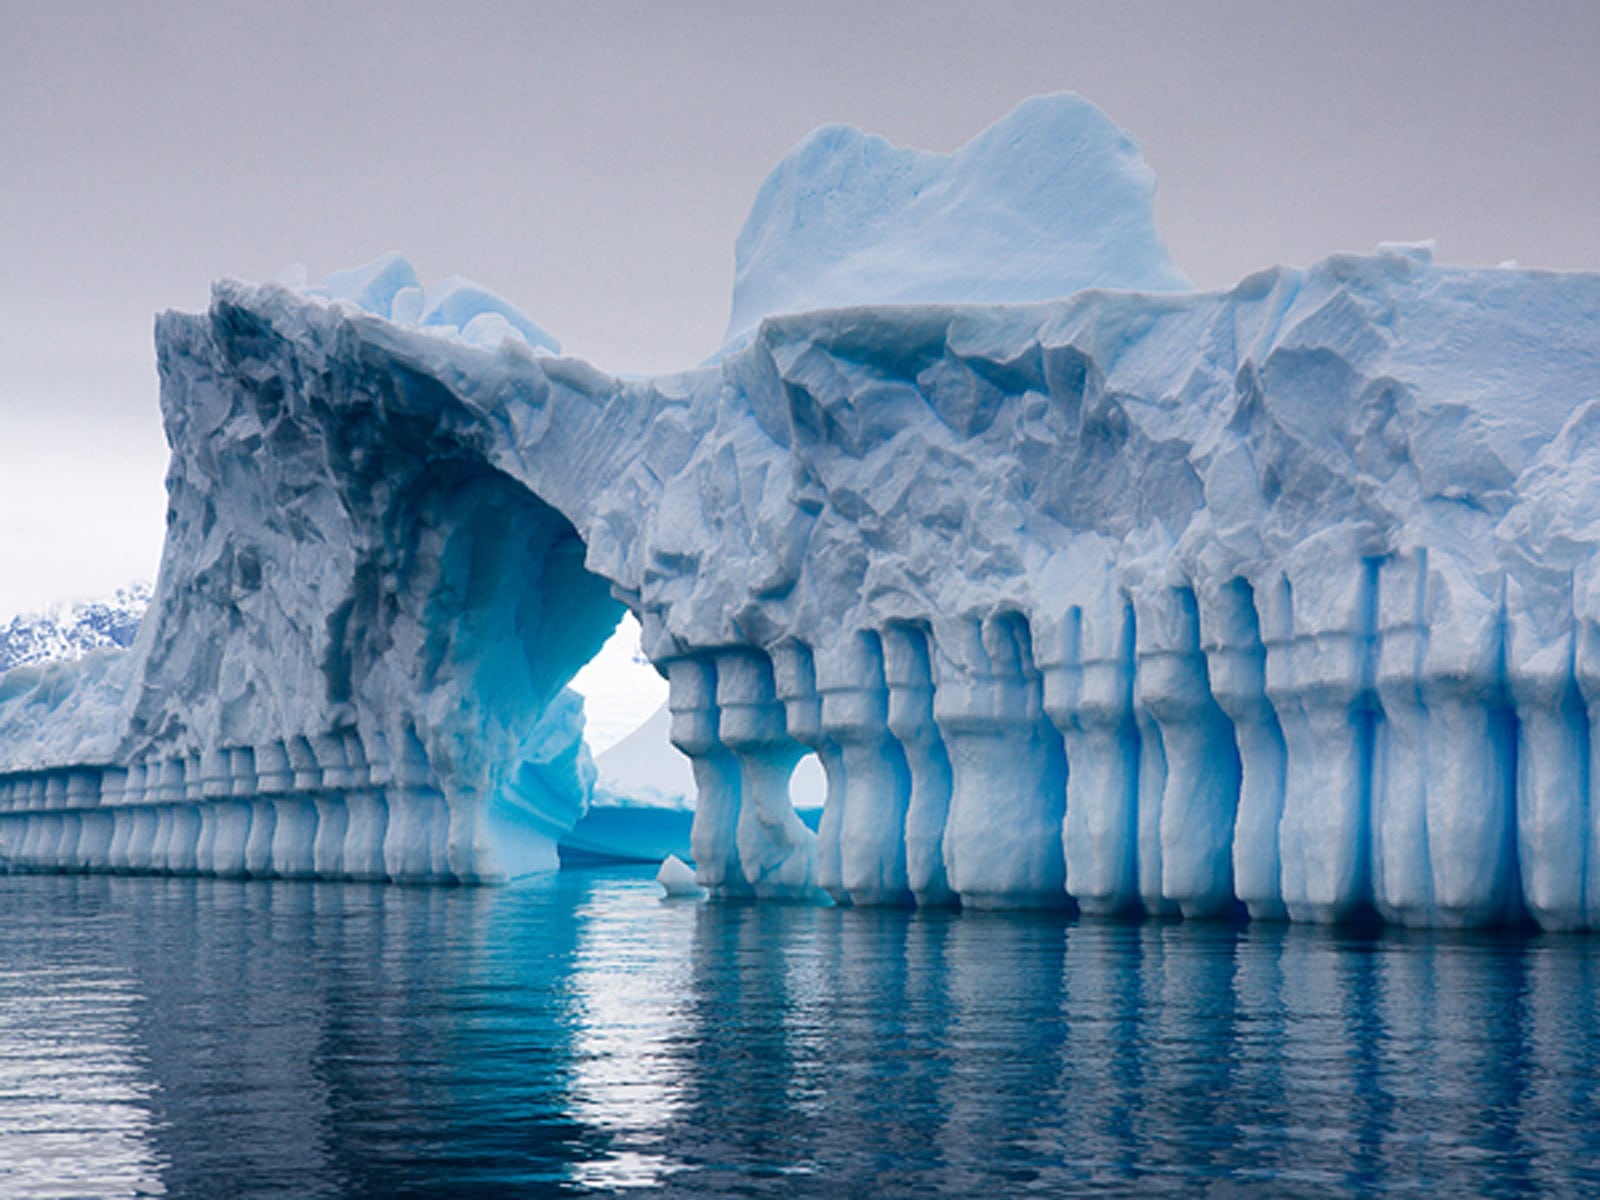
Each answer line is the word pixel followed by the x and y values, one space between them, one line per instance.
pixel 558 678
pixel 644 792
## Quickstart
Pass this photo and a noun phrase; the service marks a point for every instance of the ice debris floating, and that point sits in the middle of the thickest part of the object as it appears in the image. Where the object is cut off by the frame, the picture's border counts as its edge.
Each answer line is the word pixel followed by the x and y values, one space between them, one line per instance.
pixel 1282 598
pixel 677 880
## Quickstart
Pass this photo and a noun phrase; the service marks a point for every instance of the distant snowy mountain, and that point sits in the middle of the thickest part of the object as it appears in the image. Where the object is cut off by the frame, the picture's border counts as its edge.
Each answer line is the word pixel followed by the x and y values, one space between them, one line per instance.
pixel 71 631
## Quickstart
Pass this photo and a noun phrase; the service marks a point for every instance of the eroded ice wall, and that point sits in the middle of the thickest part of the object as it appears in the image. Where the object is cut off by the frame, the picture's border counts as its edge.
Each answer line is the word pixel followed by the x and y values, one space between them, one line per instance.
pixel 1280 598
pixel 355 661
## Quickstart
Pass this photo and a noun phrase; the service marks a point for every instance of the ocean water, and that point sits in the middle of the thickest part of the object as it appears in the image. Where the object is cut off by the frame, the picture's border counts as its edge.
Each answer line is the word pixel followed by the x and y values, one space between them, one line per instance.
pixel 576 1036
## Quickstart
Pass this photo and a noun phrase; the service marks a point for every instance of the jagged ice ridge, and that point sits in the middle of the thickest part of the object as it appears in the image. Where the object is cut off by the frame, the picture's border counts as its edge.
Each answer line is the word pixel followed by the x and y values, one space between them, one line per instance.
pixel 1282 597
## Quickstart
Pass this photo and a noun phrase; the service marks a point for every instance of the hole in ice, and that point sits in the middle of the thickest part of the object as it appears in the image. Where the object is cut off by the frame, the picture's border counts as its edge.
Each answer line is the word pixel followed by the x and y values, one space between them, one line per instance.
pixel 808 788
pixel 620 689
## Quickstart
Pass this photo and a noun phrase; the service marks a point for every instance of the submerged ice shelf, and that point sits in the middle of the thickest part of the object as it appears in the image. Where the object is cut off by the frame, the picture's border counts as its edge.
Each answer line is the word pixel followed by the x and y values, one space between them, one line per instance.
pixel 1283 598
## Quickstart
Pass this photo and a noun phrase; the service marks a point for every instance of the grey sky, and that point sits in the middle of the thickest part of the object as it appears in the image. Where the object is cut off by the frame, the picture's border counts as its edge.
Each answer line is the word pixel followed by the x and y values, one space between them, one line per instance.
pixel 593 163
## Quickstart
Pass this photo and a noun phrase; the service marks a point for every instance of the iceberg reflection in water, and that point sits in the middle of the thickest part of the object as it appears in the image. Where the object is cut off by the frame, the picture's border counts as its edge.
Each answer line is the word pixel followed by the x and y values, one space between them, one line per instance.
pixel 573 1035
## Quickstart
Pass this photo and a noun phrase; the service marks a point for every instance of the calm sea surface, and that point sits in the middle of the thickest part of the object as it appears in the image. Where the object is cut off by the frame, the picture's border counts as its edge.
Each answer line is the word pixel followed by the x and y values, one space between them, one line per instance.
pixel 576 1036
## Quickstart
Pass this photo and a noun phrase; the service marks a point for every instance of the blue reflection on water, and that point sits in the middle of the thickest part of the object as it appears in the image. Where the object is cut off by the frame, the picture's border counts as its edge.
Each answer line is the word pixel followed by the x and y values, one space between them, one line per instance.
pixel 575 1036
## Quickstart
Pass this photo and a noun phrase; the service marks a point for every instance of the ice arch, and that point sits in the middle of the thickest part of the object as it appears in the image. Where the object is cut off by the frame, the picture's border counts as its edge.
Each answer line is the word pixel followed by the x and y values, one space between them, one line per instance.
pixel 357 657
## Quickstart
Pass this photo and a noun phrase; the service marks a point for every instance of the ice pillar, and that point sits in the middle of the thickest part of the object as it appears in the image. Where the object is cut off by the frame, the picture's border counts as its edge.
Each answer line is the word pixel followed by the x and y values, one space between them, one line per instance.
pixel 1194 826
pixel 877 785
pixel 1554 839
pixel 1008 773
pixel 714 839
pixel 1087 664
pixel 795 679
pixel 909 676
pixel 1317 628
pixel 1236 664
pixel 777 852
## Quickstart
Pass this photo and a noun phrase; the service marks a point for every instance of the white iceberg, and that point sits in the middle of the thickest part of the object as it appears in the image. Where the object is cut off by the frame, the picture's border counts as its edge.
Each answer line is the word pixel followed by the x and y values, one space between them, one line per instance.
pixel 1282 598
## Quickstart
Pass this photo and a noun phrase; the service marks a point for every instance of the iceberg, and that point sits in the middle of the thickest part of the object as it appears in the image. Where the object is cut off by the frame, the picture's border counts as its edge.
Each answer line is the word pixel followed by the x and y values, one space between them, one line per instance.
pixel 1279 600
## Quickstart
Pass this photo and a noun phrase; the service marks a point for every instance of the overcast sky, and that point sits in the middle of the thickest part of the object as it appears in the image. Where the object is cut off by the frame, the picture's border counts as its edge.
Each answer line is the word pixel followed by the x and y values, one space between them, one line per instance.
pixel 593 163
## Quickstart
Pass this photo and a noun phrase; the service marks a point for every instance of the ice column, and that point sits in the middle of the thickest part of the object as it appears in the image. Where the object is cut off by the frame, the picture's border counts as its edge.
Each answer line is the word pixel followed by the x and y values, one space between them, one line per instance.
pixel 877 785
pixel 333 818
pixel 1200 784
pixel 1586 667
pixel 1402 880
pixel 293 828
pixel 692 701
pixel 1554 838
pixel 1236 664
pixel 415 837
pixel 1087 664
pixel 909 676
pixel 1008 773
pixel 1317 628
pixel 100 824
pixel 795 678
pixel 366 813
pixel 1470 749
pixel 777 852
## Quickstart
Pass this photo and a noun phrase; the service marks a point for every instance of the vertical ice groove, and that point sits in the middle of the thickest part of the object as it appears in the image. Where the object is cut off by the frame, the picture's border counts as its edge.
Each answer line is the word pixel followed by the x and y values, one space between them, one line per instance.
pixel 306 773
pixel 1230 634
pixel 1087 662
pixel 777 853
pixel 855 717
pixel 909 676
pixel 1200 797
pixel 1003 835
pixel 1402 877
pixel 714 837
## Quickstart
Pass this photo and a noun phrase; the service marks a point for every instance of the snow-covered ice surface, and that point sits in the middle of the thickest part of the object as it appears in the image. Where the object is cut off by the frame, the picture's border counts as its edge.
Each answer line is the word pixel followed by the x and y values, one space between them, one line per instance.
pixel 1282 597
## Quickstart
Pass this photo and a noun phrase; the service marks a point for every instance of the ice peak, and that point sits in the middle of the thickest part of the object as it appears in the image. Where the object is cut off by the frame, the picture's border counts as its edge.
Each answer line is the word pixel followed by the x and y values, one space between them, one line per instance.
pixel 388 287
pixel 1049 200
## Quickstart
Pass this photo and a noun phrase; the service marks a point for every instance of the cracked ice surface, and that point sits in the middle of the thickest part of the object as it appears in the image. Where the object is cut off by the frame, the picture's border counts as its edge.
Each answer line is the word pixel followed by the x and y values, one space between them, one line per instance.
pixel 1280 597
